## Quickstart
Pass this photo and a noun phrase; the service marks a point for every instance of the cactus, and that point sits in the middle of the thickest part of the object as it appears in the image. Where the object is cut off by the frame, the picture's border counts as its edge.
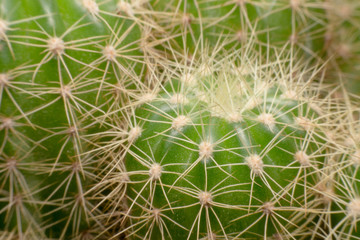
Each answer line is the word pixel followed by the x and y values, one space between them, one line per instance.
pixel 101 102
pixel 342 42
pixel 56 60
pixel 341 183
pixel 321 30
pixel 298 24
pixel 235 149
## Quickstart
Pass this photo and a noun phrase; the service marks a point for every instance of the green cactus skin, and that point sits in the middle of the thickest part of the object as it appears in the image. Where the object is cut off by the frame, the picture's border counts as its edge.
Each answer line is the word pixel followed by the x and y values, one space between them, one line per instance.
pixel 220 171
pixel 221 151
pixel 57 61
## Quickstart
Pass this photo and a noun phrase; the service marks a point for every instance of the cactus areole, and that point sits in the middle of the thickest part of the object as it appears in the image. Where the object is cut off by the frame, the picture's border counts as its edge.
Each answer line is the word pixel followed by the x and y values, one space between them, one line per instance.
pixel 197 170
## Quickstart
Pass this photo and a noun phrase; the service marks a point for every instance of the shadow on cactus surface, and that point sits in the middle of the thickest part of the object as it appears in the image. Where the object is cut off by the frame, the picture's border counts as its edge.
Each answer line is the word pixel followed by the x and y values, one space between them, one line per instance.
pixel 179 119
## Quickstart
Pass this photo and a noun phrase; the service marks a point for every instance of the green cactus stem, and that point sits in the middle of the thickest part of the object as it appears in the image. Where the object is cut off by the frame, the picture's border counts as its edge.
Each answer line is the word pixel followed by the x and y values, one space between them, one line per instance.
pixel 57 59
pixel 227 151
